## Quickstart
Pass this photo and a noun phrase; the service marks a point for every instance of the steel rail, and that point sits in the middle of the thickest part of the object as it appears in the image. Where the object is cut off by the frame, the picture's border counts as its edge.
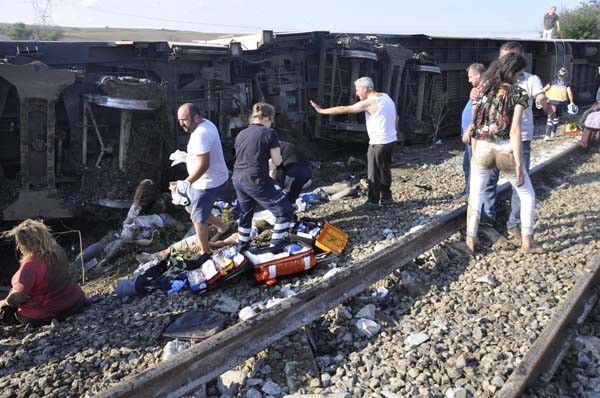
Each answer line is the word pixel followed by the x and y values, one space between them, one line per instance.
pixel 548 350
pixel 203 362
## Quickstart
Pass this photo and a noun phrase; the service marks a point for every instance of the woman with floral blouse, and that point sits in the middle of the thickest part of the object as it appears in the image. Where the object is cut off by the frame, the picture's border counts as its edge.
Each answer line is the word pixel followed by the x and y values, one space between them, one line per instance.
pixel 496 141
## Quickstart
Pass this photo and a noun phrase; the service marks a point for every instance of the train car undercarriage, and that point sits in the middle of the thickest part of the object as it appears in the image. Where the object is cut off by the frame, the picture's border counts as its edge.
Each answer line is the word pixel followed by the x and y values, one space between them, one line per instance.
pixel 83 123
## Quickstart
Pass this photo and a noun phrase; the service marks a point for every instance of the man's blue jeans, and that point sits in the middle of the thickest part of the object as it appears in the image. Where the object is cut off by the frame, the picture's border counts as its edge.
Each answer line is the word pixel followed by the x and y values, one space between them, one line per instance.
pixel 467 168
pixel 490 194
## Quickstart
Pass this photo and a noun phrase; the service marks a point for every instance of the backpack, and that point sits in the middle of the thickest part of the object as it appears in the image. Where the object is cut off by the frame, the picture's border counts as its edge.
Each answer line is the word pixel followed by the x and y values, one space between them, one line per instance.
pixel 592 121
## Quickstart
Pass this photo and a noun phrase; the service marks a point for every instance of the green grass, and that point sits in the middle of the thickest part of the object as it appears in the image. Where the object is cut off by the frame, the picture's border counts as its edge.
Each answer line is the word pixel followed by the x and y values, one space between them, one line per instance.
pixel 112 34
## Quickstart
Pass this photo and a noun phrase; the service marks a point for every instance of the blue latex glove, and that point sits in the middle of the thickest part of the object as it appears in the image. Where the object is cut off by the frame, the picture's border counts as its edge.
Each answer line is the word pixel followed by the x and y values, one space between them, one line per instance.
pixel 176 286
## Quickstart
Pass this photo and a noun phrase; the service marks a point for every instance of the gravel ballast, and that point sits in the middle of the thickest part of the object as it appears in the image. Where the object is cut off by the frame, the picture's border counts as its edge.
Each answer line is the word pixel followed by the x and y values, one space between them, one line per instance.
pixel 450 325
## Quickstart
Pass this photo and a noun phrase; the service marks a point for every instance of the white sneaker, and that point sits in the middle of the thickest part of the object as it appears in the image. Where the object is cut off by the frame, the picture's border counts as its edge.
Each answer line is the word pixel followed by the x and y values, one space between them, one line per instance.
pixel 546 138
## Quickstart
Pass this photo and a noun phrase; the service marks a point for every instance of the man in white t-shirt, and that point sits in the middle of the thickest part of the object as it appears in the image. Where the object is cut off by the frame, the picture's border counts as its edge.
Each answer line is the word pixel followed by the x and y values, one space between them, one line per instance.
pixel 381 119
pixel 207 173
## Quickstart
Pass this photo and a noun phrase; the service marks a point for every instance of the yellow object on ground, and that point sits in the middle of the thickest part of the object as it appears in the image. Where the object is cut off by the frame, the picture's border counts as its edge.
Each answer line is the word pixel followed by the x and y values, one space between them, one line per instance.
pixel 331 238
pixel 572 129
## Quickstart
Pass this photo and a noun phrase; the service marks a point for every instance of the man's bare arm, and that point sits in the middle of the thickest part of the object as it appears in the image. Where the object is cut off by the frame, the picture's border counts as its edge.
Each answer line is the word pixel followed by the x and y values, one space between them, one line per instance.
pixel 276 156
pixel 358 107
pixel 570 94
pixel 203 163
pixel 544 103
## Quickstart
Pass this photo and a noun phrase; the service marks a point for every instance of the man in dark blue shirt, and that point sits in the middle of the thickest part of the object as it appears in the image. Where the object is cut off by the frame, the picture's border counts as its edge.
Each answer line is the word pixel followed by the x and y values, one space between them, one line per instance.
pixel 294 171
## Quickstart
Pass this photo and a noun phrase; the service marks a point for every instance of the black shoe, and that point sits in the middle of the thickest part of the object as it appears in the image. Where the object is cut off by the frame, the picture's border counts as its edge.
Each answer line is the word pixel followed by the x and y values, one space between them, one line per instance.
pixel 225 234
pixel 368 205
pixel 197 263
pixel 279 242
pixel 485 220
pixel 242 247
pixel 386 201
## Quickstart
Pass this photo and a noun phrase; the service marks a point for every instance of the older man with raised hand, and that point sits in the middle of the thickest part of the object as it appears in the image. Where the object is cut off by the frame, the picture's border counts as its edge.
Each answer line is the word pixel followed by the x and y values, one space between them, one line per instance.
pixel 207 171
pixel 381 120
pixel 535 91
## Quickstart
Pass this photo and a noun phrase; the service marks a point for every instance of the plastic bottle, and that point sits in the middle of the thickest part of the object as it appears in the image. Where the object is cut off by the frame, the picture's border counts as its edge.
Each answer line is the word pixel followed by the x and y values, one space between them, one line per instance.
pixel 229 252
pixel 196 280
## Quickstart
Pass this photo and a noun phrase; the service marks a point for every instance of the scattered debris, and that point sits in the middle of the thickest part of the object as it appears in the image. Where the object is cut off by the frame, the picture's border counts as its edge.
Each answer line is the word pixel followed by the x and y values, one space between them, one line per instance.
pixel 246 313
pixel 416 339
pixel 195 325
pixel 367 327
pixel 490 280
pixel 380 293
pixel 367 312
pixel 425 187
pixel 171 349
pixel 287 290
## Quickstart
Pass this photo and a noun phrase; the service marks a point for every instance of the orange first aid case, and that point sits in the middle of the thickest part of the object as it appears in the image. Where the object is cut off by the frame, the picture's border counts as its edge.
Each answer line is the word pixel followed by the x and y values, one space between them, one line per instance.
pixel 282 264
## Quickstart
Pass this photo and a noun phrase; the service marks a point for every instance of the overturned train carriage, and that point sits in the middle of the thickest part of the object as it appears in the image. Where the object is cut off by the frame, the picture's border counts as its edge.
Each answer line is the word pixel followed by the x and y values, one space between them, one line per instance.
pixel 83 123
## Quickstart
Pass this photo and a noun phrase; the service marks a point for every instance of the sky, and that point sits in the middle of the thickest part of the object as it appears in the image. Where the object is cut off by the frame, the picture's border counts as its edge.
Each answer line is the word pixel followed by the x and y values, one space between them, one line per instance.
pixel 507 18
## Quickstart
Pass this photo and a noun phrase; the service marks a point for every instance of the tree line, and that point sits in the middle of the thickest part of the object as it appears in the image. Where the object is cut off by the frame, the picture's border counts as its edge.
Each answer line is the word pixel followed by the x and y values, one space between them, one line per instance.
pixel 582 23
pixel 20 31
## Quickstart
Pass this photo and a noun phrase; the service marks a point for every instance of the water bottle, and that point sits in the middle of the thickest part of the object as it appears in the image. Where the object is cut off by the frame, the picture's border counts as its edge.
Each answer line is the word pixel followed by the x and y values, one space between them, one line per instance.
pixel 196 280
pixel 229 252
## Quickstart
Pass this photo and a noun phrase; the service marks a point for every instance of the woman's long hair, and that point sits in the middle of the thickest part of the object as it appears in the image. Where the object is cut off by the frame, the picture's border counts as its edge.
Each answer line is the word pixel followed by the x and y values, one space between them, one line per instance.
pixel 502 71
pixel 33 240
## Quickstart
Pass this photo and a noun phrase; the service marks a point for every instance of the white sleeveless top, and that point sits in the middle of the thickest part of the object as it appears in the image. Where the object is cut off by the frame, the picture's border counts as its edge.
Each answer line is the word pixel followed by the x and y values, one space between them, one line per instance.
pixel 381 126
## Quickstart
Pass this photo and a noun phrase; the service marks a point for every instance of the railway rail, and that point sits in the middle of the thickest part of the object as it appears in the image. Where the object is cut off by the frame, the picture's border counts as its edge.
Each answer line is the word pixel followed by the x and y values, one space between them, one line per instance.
pixel 206 360
pixel 114 338
pixel 545 355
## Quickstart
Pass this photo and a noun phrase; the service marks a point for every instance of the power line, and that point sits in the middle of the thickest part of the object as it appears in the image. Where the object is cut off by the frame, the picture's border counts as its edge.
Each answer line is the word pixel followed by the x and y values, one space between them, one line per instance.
pixel 196 23
pixel 43 12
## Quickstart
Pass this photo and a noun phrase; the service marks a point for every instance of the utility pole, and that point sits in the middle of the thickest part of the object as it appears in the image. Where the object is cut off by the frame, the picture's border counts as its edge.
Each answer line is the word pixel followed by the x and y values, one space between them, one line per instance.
pixel 43 16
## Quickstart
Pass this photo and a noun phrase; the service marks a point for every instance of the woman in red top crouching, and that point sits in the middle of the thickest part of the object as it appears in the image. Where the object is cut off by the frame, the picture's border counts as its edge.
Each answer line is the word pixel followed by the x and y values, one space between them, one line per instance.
pixel 42 288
